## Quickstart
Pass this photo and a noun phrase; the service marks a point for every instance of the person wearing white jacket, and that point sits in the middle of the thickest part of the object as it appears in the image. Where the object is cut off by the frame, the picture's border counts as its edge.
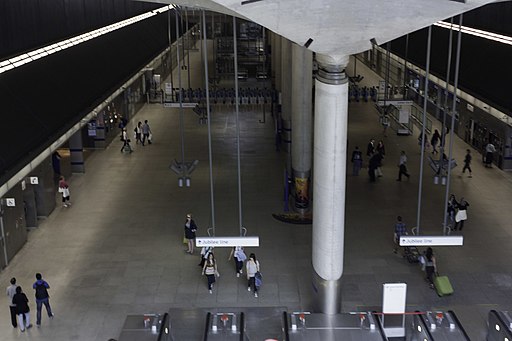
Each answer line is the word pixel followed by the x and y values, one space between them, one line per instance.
pixel 252 266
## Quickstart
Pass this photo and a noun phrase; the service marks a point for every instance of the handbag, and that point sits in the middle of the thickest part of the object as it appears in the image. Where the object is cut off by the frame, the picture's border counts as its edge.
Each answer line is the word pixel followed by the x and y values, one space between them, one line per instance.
pixel 65 192
pixel 461 215
pixel 258 279
pixel 185 240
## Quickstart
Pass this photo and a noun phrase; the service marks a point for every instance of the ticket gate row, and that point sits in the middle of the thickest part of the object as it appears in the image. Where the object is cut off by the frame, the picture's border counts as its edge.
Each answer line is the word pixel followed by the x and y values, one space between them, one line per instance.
pixel 273 323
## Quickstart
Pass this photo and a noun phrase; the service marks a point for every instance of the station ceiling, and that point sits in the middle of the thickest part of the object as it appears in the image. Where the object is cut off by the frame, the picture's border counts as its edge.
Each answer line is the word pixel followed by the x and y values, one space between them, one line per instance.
pixel 338 28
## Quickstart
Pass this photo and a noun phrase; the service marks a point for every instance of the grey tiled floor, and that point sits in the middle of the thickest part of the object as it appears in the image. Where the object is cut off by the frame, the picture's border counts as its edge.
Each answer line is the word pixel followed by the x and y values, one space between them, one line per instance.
pixel 118 250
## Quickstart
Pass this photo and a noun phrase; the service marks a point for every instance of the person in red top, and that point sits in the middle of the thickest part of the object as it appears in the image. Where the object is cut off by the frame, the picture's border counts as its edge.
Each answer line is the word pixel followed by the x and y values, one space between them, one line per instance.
pixel 64 189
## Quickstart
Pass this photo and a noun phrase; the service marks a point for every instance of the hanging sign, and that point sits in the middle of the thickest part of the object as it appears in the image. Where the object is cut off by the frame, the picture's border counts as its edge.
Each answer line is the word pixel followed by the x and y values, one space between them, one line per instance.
pixel 227 241
pixel 431 241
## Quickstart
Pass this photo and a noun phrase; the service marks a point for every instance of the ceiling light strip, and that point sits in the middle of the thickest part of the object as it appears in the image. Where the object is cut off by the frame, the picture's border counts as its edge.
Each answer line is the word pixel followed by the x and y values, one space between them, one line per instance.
pixel 24 58
pixel 477 33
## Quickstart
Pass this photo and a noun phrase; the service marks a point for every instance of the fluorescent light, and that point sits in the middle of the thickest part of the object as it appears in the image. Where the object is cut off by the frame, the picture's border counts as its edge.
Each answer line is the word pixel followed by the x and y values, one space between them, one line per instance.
pixel 477 33
pixel 44 51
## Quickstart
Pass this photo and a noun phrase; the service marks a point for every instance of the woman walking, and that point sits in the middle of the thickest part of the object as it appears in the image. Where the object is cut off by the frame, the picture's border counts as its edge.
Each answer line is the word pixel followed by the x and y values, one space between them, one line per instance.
pixel 252 267
pixel 239 256
pixel 22 309
pixel 210 270
pixel 430 266
pixel 138 133
pixel 190 233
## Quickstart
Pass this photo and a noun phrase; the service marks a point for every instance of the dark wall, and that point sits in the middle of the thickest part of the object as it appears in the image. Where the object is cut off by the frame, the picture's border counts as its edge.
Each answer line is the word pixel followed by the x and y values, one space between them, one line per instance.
pixel 493 17
pixel 43 99
pixel 28 24
pixel 485 66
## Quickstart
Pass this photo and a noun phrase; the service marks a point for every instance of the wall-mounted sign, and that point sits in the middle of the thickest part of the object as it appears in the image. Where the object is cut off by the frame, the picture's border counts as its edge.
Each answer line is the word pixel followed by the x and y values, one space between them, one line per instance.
pixel 34 180
pixel 10 202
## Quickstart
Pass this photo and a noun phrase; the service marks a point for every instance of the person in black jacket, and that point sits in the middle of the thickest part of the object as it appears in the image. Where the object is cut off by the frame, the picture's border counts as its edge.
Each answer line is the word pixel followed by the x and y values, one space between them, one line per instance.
pixel 22 309
pixel 357 161
pixel 190 233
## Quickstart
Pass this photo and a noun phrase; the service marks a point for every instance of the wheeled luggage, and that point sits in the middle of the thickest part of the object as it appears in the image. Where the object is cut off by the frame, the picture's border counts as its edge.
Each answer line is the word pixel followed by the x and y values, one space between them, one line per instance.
pixel 443 286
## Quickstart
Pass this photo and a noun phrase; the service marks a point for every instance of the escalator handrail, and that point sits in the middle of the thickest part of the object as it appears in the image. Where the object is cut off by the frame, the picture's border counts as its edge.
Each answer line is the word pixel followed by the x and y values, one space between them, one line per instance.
pixel 242 326
pixel 459 325
pixel 379 325
pixel 207 326
pixel 425 327
pixel 162 326
pixel 505 325
pixel 285 326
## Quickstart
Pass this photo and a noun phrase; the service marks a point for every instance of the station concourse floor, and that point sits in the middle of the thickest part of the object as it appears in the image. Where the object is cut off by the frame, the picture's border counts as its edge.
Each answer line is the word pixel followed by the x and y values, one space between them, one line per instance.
pixel 118 250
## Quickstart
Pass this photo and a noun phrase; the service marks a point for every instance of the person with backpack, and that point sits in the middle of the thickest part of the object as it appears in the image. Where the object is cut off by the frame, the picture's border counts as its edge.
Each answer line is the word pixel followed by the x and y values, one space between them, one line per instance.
pixel 42 297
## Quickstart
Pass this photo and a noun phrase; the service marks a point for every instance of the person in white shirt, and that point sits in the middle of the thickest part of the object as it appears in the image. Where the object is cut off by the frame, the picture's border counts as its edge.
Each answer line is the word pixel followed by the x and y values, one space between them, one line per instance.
pixel 11 291
pixel 402 164
pixel 252 267
pixel 489 154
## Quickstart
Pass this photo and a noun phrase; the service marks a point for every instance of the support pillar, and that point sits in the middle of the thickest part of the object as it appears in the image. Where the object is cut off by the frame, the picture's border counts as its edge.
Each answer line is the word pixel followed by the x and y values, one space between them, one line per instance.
pixel 330 154
pixel 302 124
pixel 286 100
pixel 277 56
pixel 76 150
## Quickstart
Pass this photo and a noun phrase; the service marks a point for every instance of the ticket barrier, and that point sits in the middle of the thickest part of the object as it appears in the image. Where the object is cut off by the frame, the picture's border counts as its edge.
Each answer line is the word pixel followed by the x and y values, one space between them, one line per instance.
pixel 147 327
pixel 499 326
pixel 224 326
pixel 435 326
pixel 302 326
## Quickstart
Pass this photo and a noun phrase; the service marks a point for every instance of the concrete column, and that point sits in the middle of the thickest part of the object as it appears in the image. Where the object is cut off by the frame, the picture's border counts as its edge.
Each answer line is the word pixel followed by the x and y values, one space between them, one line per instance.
pixel 272 39
pixel 330 152
pixel 302 124
pixel 286 96
pixel 76 150
pixel 277 57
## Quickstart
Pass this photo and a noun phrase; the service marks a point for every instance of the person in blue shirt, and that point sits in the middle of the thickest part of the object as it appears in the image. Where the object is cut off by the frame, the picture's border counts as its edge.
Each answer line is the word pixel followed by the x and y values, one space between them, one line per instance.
pixel 42 297
pixel 400 230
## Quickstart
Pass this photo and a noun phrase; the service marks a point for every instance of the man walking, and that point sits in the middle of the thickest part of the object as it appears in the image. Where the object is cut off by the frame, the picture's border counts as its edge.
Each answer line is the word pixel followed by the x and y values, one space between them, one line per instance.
pixel 145 132
pixel 400 230
pixel 11 291
pixel 402 164
pixel 467 163
pixel 41 287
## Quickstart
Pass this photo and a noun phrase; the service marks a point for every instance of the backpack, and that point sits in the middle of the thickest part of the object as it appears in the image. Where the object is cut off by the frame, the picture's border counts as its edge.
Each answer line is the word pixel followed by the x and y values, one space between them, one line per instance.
pixel 41 292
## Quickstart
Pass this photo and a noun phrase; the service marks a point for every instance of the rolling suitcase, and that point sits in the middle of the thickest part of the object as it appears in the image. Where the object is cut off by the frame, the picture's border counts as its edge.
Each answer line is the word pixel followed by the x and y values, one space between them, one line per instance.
pixel 443 286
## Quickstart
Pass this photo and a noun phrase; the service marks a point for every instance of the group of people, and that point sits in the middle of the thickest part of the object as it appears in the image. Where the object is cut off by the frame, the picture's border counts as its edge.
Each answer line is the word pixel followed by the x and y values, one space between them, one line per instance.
pixel 18 303
pixel 457 212
pixel 208 262
pixel 376 155
pixel 142 132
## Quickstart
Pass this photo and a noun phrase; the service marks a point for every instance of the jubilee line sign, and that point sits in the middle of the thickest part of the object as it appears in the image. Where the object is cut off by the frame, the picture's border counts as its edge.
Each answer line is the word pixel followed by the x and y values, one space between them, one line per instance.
pixel 431 241
pixel 227 241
